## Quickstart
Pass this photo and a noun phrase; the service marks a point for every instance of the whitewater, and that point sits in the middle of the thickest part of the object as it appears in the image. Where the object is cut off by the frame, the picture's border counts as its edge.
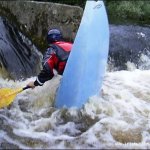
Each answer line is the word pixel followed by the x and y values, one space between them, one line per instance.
pixel 119 117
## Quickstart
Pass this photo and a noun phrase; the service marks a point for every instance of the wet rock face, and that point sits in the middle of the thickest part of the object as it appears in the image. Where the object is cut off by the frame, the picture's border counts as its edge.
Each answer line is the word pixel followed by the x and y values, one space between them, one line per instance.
pixel 129 43
pixel 35 18
pixel 19 58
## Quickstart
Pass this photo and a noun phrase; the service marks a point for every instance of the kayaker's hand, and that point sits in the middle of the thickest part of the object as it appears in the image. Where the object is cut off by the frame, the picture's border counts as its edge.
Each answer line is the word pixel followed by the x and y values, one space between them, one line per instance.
pixel 31 84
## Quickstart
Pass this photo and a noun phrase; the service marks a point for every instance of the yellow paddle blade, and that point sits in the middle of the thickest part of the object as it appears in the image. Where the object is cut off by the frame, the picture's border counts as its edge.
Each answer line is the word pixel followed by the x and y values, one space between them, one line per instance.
pixel 7 96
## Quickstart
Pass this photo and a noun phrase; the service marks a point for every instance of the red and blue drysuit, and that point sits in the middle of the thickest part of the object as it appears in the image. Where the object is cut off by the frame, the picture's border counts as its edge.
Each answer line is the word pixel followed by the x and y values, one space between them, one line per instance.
pixel 55 57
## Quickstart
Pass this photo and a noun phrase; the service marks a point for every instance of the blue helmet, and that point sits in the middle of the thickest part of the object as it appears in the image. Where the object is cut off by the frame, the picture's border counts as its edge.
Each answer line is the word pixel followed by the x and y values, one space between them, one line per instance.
pixel 54 35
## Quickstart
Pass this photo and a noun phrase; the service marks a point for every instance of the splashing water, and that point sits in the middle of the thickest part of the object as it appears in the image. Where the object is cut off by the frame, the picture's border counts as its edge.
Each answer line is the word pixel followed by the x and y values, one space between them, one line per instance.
pixel 119 118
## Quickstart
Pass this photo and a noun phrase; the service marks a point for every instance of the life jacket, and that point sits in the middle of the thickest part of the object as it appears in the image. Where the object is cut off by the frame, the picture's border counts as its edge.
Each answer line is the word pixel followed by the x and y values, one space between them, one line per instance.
pixel 62 49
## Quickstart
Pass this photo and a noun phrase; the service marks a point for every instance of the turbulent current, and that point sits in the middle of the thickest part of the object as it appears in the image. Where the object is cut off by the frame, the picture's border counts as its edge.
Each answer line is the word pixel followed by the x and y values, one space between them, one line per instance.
pixel 118 117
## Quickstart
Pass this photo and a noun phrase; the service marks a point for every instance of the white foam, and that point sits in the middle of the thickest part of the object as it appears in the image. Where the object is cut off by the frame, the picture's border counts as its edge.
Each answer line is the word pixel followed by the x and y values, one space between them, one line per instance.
pixel 120 118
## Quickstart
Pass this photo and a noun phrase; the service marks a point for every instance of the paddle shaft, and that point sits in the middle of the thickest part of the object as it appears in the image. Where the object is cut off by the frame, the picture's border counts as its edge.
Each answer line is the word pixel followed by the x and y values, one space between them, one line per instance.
pixel 27 87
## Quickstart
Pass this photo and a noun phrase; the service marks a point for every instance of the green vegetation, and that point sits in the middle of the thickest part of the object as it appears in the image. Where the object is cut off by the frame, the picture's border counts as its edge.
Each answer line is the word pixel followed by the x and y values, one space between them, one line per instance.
pixel 120 12
pixel 137 12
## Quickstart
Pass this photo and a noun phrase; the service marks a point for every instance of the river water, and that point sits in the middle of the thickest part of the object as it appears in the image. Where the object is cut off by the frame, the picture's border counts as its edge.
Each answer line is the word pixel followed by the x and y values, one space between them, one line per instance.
pixel 117 118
